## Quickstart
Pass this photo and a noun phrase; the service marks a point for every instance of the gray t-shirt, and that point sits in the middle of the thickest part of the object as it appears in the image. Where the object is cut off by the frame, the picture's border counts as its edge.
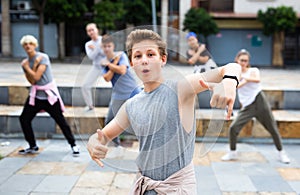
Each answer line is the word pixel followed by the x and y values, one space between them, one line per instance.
pixel 165 147
pixel 47 75
pixel 124 86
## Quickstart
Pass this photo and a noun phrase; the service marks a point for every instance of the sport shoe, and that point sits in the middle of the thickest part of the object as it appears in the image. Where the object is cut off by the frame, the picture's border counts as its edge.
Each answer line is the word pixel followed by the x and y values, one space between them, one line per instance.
pixel 31 150
pixel 89 108
pixel 75 150
pixel 283 157
pixel 231 155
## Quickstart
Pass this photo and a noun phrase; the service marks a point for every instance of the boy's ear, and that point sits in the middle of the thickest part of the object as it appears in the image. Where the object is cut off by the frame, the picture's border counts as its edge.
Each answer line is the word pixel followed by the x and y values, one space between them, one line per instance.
pixel 131 64
pixel 164 60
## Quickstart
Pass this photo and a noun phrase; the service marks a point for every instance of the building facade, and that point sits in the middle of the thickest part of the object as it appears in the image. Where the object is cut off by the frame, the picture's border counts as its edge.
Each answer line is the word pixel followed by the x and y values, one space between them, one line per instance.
pixel 239 29
pixel 236 20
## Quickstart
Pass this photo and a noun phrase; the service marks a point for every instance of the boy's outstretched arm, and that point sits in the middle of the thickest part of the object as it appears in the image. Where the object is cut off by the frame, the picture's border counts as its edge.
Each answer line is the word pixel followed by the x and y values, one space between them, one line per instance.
pixel 224 90
pixel 97 142
pixel 96 147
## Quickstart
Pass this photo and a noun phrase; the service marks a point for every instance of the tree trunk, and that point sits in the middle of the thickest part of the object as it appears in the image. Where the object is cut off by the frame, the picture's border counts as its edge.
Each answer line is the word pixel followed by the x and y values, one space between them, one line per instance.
pixel 40 7
pixel 41 32
pixel 61 40
pixel 278 44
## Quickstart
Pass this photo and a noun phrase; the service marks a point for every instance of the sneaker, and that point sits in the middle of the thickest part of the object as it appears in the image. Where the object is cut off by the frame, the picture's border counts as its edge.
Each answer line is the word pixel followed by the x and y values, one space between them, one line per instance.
pixel 231 155
pixel 283 157
pixel 89 108
pixel 31 150
pixel 75 150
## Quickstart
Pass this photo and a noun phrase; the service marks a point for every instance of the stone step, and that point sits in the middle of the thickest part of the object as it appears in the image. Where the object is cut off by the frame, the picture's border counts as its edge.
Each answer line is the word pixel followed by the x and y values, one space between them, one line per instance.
pixel 72 96
pixel 210 123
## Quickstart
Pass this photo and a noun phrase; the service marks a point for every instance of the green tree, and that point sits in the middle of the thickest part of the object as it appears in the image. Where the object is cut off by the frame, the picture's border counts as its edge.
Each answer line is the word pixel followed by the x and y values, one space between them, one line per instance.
pixel 106 13
pixel 277 21
pixel 138 12
pixel 59 12
pixel 199 21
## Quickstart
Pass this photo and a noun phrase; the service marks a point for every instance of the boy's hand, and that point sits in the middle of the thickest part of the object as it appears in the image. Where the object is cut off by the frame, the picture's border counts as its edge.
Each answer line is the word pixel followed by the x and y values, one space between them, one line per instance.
pixel 97 148
pixel 25 63
pixel 37 63
pixel 91 46
pixel 104 62
pixel 223 95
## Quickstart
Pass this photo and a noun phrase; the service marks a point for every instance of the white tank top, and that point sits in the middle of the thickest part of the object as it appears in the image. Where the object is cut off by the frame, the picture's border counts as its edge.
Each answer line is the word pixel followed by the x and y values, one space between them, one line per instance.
pixel 249 91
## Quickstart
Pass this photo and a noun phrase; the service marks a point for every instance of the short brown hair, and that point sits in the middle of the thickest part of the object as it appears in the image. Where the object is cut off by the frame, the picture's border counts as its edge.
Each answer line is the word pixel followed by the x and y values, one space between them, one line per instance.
pixel 139 35
pixel 107 39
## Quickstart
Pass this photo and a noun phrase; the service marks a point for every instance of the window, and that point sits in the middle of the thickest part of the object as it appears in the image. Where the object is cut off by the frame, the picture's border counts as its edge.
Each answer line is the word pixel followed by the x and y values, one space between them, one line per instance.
pixel 216 5
pixel 292 48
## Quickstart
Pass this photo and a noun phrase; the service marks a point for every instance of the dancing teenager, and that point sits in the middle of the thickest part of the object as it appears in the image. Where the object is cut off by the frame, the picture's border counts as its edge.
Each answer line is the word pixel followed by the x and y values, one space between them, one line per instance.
pixel 44 95
pixel 95 53
pixel 162 117
pixel 254 104
pixel 117 70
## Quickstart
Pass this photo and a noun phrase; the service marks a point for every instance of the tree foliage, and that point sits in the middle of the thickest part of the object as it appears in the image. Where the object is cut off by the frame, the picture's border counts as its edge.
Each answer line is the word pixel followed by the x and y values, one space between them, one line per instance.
pixel 199 21
pixel 57 11
pixel 277 19
pixel 138 12
pixel 107 12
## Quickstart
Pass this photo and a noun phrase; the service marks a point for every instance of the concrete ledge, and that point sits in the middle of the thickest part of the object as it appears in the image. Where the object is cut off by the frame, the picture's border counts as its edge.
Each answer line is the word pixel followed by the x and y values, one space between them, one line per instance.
pixel 288 122
pixel 209 123
pixel 72 96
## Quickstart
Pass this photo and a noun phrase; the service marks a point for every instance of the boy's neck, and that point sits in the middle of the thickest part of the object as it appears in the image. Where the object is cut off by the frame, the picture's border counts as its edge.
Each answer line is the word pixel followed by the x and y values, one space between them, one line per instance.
pixel 110 55
pixel 31 54
pixel 151 86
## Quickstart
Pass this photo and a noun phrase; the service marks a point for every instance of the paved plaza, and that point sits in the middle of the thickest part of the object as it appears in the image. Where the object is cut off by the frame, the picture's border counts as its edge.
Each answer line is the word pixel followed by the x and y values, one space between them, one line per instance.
pixel 55 171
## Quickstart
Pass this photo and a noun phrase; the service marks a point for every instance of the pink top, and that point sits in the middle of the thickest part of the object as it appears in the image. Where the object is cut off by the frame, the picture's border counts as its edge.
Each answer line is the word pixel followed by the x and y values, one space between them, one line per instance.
pixel 52 92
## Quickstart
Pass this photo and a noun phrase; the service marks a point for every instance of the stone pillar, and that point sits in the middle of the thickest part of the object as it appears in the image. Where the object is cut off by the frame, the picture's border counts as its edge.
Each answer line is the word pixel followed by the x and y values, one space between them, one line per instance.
pixel 5 27
pixel 164 19
pixel 184 6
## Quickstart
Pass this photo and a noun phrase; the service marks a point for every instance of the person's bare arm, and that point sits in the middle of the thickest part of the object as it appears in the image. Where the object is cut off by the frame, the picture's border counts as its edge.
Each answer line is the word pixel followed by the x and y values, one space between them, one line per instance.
pixel 203 59
pixel 29 78
pixel 25 64
pixel 119 69
pixel 196 56
pixel 96 144
pixel 35 75
pixel 224 90
pixel 108 76
pixel 253 77
pixel 114 68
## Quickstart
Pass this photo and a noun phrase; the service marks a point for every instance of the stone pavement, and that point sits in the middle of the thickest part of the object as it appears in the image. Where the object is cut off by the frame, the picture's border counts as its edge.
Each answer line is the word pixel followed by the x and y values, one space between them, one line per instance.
pixel 67 74
pixel 55 171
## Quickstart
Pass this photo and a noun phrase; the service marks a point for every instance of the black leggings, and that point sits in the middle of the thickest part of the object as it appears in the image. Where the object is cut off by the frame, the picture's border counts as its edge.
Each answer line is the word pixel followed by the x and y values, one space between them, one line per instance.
pixel 29 112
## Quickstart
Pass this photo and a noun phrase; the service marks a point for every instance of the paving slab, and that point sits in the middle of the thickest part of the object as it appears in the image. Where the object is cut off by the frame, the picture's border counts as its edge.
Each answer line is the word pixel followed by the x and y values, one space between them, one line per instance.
pixel 55 171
